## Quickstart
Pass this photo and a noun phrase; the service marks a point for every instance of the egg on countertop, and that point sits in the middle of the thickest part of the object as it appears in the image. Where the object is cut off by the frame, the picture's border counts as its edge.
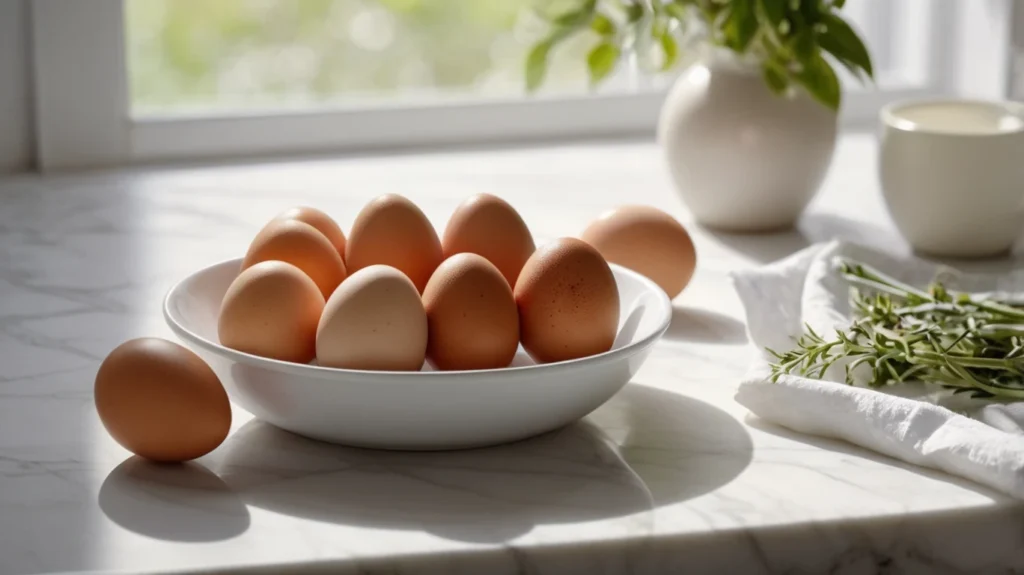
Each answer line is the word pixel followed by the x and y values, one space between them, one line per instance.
pixel 489 226
pixel 375 320
pixel 568 302
pixel 472 318
pixel 319 220
pixel 646 240
pixel 392 231
pixel 271 310
pixel 161 401
pixel 301 245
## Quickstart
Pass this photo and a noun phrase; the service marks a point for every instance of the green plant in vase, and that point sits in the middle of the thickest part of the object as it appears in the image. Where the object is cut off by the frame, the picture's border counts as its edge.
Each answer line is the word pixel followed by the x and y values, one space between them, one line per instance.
pixel 749 128
pixel 795 42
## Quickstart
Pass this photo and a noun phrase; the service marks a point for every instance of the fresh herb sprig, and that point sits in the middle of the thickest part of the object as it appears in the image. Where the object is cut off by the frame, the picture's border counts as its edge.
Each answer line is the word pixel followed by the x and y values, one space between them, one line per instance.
pixel 796 42
pixel 960 341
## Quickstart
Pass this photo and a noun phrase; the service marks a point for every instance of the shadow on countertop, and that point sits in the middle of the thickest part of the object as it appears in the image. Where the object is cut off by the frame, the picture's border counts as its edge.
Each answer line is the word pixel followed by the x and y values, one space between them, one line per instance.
pixel 481 495
pixel 643 449
pixel 679 446
pixel 812 228
pixel 840 446
pixel 176 502
pixel 697 325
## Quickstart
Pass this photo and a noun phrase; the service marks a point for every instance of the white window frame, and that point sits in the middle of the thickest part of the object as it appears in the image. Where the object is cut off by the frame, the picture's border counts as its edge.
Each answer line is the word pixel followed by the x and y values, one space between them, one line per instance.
pixel 83 117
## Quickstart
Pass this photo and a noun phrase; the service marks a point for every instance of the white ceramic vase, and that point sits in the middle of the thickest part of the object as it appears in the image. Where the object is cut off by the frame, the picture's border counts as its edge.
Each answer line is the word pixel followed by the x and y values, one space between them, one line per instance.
pixel 743 158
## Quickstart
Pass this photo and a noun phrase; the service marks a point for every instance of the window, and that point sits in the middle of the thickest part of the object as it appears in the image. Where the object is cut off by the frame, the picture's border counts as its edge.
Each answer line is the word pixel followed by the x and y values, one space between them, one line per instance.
pixel 121 81
pixel 234 55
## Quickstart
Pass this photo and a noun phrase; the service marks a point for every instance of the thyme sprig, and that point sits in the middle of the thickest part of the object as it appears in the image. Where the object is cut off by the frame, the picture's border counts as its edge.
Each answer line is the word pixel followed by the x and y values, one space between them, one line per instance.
pixel 968 343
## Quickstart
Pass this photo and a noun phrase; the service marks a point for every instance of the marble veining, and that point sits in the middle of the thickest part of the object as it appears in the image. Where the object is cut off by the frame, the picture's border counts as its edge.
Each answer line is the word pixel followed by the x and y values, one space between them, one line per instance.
pixel 670 476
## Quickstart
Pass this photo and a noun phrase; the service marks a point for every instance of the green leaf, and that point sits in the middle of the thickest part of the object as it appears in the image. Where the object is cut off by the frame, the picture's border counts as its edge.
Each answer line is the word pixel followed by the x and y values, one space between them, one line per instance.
pixel 772 11
pixel 601 61
pixel 634 12
pixel 677 11
pixel 659 27
pixel 775 77
pixel 804 45
pixel 810 10
pixel 669 49
pixel 740 26
pixel 576 17
pixel 845 45
pixel 661 33
pixel 537 64
pixel 603 25
pixel 572 19
pixel 838 4
pixel 820 81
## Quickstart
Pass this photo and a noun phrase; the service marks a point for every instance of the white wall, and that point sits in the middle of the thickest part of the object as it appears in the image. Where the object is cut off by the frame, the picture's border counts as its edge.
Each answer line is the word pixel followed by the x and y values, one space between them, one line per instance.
pixel 16 122
pixel 1017 88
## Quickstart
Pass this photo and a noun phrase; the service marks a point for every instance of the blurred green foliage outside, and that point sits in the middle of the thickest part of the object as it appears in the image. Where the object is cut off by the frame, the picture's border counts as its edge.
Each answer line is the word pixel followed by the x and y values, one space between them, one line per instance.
pixel 230 54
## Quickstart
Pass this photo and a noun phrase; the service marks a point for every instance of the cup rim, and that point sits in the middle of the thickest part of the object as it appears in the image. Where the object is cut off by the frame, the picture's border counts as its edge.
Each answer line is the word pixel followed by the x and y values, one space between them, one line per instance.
pixel 890 119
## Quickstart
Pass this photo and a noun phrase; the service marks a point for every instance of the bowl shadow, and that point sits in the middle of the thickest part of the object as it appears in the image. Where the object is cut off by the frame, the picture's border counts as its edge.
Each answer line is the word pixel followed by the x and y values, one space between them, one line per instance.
pixel 680 447
pixel 479 495
pixel 643 449
pixel 175 502
pixel 704 326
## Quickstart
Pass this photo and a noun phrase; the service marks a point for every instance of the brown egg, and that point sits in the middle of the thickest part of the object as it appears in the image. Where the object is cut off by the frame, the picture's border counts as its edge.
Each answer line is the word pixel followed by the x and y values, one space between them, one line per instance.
pixel 272 310
pixel 471 314
pixel 488 226
pixel 301 245
pixel 392 231
pixel 374 320
pixel 568 302
pixel 648 241
pixel 319 220
pixel 161 401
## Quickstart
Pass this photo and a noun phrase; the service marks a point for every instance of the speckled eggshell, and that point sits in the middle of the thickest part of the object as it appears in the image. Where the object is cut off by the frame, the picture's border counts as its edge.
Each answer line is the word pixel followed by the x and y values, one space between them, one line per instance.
pixel 319 220
pixel 161 401
pixel 488 226
pixel 392 231
pixel 301 245
pixel 646 240
pixel 271 310
pixel 568 302
pixel 374 321
pixel 471 315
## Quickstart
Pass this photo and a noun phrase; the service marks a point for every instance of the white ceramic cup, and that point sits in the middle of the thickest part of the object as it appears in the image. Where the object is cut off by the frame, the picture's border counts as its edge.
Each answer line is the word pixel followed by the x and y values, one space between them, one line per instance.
pixel 952 173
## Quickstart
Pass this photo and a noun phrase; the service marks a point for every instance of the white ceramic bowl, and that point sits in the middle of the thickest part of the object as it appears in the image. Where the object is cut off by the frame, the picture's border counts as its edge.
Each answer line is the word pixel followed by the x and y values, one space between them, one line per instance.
pixel 422 410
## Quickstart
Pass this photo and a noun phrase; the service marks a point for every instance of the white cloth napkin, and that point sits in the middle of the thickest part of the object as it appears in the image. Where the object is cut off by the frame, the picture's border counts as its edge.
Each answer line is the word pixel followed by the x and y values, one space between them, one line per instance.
pixel 920 424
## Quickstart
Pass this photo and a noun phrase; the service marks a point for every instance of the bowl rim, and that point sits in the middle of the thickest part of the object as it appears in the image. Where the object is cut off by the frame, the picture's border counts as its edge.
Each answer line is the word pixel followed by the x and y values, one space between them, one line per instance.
pixel 307 370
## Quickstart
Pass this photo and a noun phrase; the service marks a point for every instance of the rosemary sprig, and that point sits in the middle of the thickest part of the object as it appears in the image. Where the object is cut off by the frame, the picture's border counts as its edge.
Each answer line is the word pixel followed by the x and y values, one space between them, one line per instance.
pixel 900 333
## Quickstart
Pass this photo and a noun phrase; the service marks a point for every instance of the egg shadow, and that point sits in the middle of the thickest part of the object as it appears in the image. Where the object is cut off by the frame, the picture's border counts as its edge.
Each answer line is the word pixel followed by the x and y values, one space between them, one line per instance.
pixel 630 325
pixel 704 326
pixel 645 448
pixel 175 502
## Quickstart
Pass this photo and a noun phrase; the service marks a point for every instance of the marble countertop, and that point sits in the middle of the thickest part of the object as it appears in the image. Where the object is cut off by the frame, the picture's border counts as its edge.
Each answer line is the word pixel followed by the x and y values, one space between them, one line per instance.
pixel 670 476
